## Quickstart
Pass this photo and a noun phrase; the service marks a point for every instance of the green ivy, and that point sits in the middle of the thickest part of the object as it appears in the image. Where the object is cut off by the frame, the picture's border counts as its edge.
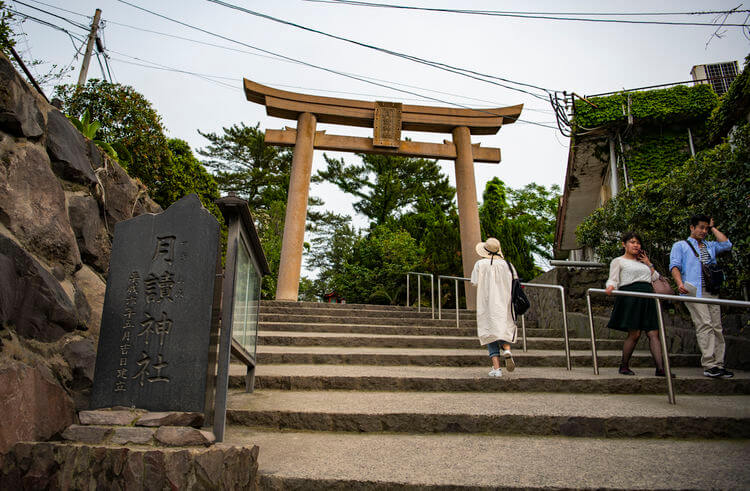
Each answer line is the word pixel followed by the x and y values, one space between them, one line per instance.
pixel 672 105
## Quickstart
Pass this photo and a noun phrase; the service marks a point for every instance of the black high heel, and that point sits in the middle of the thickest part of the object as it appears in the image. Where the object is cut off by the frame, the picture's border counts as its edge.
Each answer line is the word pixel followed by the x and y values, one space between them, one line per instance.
pixel 625 371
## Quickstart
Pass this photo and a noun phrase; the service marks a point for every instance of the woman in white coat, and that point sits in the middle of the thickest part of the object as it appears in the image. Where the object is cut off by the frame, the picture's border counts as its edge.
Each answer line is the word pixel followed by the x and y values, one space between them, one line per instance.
pixel 495 326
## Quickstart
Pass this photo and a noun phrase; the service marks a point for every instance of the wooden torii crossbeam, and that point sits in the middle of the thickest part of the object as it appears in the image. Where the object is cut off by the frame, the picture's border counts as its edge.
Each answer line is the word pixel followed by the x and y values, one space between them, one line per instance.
pixel 387 119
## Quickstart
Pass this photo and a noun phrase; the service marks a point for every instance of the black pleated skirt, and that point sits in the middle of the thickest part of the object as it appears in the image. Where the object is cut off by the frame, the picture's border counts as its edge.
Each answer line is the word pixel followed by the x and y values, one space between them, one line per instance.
pixel 634 314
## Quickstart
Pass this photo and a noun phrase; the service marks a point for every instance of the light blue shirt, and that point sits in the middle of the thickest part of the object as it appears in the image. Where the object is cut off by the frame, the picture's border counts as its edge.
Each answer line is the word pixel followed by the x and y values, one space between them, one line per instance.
pixel 682 258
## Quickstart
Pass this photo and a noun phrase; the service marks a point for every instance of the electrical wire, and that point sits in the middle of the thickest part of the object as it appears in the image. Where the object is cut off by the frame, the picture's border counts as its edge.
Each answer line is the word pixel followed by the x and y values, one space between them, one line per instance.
pixel 532 15
pixel 442 66
pixel 311 65
pixel 276 58
pixel 73 23
pixel 61 9
pixel 45 23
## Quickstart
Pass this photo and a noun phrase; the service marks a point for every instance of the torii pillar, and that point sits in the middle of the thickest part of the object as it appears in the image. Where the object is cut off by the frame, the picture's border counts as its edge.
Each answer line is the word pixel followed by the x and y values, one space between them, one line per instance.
pixel 387 120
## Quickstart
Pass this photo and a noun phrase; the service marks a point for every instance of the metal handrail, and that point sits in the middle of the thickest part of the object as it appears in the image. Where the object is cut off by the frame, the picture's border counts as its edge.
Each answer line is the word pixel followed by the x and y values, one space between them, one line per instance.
pixel 561 289
pixel 577 264
pixel 523 319
pixel 456 279
pixel 662 333
pixel 419 291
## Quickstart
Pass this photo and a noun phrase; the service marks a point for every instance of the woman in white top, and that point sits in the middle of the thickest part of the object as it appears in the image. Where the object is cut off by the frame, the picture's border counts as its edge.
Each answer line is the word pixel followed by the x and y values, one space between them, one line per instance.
pixel 495 325
pixel 634 272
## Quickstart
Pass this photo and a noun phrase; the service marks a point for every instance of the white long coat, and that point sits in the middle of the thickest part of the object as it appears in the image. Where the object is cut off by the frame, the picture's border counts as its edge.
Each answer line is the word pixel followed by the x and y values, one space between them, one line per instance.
pixel 494 315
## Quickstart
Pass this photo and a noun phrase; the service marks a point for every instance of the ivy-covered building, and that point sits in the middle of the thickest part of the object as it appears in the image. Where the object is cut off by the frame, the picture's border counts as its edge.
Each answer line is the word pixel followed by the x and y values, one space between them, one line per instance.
pixel 625 139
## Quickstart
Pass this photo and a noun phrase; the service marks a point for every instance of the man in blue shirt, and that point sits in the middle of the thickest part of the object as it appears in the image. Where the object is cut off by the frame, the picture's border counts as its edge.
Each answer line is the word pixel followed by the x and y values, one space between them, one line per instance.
pixel 685 264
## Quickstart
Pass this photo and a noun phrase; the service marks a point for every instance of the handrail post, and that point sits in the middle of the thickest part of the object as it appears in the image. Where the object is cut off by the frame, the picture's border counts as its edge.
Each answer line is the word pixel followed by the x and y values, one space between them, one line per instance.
pixel 565 327
pixel 457 323
pixel 419 293
pixel 440 300
pixel 407 290
pixel 593 335
pixel 523 332
pixel 432 295
pixel 665 354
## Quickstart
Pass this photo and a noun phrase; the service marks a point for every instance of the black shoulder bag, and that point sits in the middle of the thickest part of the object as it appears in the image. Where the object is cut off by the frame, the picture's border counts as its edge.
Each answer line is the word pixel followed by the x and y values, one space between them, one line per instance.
pixel 518 300
pixel 712 273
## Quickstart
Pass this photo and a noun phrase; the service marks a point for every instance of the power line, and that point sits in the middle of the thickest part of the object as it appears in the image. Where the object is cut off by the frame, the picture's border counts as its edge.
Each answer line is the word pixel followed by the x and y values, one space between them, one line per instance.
pixel 73 23
pixel 211 78
pixel 45 23
pixel 229 48
pixel 61 9
pixel 541 15
pixel 441 66
pixel 329 70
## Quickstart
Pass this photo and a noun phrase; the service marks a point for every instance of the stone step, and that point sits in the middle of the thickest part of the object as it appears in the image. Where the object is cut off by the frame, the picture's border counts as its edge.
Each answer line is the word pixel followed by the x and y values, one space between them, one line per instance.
pixel 342 313
pixel 273 355
pixel 347 306
pixel 380 462
pixel 399 330
pixel 274 338
pixel 475 379
pixel 353 319
pixel 518 413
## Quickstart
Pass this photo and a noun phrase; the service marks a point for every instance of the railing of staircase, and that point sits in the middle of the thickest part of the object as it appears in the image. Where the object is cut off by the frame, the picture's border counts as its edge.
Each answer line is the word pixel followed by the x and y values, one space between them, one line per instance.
pixel 419 290
pixel 564 317
pixel 577 264
pixel 456 279
pixel 662 333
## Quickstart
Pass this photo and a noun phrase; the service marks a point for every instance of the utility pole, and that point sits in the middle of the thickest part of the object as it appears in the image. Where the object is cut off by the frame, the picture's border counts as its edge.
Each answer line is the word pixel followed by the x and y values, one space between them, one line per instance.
pixel 89 48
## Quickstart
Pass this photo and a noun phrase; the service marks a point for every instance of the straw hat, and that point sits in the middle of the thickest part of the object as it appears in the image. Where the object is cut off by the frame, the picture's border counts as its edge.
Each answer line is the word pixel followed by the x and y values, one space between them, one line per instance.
pixel 489 248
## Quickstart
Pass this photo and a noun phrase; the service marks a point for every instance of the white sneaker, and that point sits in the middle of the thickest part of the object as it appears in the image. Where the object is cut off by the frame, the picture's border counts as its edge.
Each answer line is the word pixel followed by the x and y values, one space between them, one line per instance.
pixel 510 365
pixel 496 372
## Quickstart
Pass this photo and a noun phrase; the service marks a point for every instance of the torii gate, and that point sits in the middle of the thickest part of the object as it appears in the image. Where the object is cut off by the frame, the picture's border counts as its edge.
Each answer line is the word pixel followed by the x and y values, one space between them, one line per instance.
pixel 387 120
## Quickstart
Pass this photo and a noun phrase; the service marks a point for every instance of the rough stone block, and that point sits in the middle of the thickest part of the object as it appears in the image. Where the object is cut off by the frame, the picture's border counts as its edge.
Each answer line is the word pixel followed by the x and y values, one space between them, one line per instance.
pixel 104 417
pixel 87 434
pixel 33 405
pixel 67 149
pixel 32 204
pixel 171 419
pixel 19 112
pixel 131 434
pixel 180 436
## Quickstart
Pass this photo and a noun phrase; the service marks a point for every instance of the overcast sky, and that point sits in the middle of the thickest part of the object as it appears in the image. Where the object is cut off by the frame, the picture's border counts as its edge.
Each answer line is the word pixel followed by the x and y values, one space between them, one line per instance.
pixel 581 57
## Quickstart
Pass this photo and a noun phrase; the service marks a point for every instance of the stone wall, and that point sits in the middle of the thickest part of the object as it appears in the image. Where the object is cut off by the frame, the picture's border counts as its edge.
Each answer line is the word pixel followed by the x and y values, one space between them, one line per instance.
pixel 62 466
pixel 545 312
pixel 60 197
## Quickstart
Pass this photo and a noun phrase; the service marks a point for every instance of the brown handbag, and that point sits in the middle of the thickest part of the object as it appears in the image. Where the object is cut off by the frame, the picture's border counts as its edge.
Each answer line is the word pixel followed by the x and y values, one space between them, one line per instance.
pixel 662 286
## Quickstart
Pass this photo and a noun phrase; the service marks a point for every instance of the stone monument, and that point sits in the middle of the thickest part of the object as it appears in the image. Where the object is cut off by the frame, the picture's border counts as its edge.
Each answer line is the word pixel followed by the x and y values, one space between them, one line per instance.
pixel 156 323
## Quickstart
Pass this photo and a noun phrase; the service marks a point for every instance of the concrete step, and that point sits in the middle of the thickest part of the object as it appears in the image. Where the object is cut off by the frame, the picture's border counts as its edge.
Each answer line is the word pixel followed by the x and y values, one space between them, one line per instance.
pixel 275 338
pixel 354 319
pixel 396 330
pixel 273 355
pixel 519 413
pixel 379 462
pixel 342 313
pixel 475 379
pixel 347 306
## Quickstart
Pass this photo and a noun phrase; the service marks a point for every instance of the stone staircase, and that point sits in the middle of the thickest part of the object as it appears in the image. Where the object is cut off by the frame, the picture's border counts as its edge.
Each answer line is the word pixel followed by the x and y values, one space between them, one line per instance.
pixel 374 397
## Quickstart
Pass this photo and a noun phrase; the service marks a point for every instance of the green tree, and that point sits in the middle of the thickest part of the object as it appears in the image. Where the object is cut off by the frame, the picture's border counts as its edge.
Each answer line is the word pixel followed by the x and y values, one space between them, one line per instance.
pixel 6 33
pixel 243 164
pixel 189 176
pixel 128 118
pixel 715 182
pixel 534 208
pixel 386 186
pixel 375 269
pixel 495 222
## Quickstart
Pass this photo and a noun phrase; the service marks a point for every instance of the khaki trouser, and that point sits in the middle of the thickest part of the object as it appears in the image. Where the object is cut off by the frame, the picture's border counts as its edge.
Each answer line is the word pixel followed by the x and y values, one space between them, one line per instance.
pixel 707 322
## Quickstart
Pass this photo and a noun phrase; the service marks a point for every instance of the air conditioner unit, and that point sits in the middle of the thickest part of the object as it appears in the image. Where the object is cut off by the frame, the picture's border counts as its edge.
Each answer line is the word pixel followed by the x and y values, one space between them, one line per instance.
pixel 718 75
